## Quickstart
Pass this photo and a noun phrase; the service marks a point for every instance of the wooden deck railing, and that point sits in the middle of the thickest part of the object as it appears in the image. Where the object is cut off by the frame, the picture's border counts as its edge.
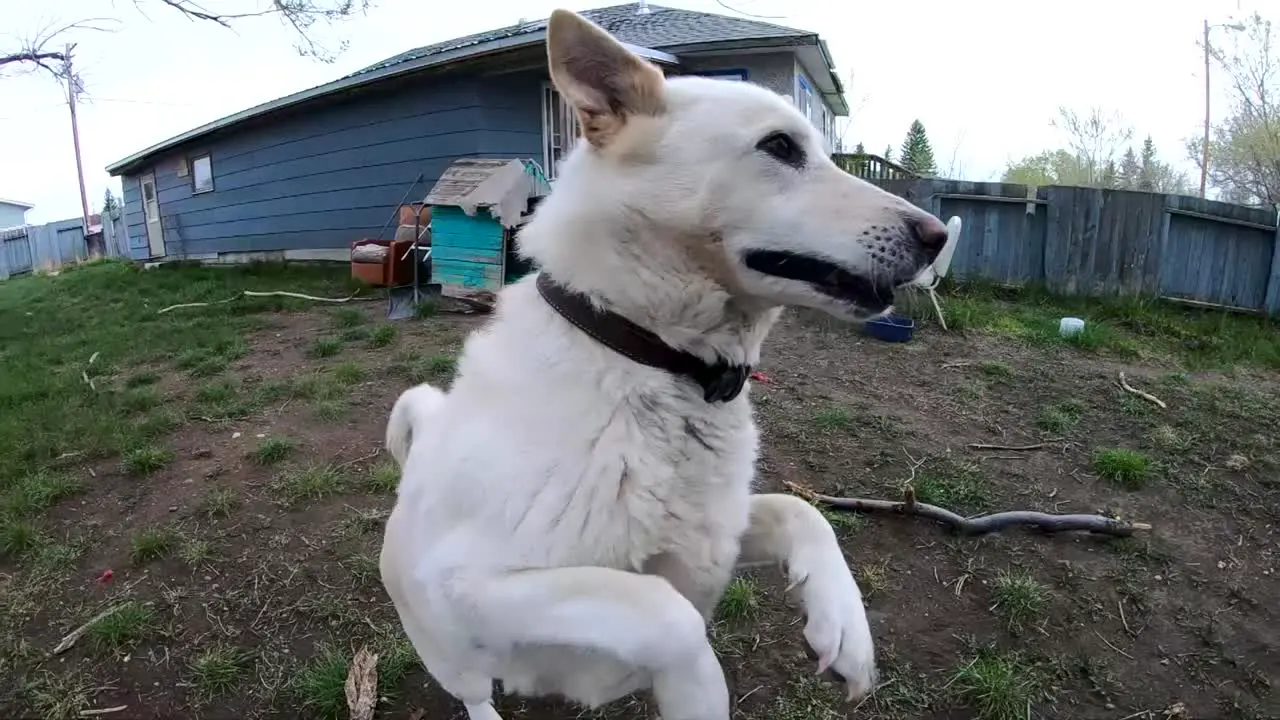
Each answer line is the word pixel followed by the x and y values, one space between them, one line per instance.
pixel 871 167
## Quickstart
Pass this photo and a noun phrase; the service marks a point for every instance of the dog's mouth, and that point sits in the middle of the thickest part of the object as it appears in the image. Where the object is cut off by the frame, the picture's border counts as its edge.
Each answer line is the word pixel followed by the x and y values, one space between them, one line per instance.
pixel 828 278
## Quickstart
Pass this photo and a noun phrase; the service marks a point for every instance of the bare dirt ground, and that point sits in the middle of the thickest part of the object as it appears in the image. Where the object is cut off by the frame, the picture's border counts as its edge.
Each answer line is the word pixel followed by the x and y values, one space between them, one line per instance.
pixel 239 550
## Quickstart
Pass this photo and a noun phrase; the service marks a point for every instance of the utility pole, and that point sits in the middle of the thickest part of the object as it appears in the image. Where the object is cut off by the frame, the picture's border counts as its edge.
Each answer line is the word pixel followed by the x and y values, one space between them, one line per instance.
pixel 73 89
pixel 1204 149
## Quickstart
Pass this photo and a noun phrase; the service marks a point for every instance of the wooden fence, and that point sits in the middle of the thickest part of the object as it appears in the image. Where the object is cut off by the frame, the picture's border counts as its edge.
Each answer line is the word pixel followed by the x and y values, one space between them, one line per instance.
pixel 52 245
pixel 1086 241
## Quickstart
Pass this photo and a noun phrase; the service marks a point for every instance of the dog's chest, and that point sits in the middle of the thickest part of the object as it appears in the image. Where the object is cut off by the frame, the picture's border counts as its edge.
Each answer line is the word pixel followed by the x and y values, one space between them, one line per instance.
pixel 685 478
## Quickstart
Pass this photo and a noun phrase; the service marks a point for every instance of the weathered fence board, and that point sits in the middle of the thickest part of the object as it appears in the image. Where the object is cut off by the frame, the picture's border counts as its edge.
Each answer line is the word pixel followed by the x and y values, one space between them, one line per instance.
pixel 52 245
pixel 1087 241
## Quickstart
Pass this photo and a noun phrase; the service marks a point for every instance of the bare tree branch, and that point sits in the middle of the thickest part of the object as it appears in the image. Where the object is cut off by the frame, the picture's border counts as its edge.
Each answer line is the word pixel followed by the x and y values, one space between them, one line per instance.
pixel 1244 147
pixel 300 16
pixel 981 525
pixel 46 48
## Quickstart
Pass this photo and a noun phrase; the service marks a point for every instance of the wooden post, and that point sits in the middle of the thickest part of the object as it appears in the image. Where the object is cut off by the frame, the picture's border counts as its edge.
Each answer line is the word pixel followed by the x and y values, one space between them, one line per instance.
pixel 1271 305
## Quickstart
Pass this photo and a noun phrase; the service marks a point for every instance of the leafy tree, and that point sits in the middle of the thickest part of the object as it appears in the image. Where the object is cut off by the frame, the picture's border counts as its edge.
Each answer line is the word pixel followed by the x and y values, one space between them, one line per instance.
pixel 1094 141
pixel 1051 167
pixel 917 154
pixel 1244 147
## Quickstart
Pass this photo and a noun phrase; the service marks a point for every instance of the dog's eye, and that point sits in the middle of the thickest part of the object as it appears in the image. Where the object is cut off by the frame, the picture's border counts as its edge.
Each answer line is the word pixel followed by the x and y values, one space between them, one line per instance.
pixel 783 148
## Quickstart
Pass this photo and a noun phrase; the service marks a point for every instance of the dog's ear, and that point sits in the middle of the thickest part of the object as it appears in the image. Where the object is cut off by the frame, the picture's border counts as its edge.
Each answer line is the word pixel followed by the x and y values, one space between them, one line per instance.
pixel 603 80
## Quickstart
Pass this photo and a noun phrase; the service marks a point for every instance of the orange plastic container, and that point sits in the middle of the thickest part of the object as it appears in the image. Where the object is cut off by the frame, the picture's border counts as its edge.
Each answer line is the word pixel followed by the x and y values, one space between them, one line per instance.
pixel 396 269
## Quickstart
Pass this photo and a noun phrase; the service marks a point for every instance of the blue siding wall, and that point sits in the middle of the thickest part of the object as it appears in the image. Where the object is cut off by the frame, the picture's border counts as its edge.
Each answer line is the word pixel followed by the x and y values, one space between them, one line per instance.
pixel 332 174
pixel 512 111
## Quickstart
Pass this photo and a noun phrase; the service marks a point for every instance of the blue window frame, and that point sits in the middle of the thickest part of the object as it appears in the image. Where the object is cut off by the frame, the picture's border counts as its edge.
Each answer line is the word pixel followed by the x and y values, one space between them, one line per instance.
pixel 728 74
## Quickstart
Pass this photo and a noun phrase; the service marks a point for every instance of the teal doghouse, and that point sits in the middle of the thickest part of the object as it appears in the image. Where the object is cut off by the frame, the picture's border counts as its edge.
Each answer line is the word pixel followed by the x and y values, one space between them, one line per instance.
pixel 477 207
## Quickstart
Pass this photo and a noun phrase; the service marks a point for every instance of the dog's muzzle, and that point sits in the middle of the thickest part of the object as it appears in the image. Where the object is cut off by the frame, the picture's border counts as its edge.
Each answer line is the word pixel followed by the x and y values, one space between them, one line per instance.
pixel 826 277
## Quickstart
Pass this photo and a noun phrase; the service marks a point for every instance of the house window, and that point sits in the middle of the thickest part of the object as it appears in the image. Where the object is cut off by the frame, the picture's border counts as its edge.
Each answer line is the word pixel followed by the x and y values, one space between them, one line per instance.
pixel 149 205
pixel 804 98
pixel 201 174
pixel 739 75
pixel 559 130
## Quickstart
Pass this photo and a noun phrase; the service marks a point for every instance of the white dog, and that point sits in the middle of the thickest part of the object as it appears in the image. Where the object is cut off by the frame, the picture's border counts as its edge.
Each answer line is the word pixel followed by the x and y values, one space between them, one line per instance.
pixel 571 510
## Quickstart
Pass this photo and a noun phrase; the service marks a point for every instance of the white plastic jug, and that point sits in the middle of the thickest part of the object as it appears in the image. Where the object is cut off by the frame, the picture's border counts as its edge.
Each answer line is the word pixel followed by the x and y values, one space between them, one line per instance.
pixel 1069 326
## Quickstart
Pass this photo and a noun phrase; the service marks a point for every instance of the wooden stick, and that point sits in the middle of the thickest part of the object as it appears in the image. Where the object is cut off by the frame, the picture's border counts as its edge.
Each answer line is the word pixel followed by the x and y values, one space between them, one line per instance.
pixel 1124 385
pixel 103 711
pixel 985 446
pixel 362 458
pixel 79 632
pixel 981 525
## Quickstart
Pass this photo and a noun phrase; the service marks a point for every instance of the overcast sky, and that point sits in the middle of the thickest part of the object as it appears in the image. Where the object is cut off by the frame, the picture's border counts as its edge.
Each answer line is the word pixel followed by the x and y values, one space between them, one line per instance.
pixel 985 77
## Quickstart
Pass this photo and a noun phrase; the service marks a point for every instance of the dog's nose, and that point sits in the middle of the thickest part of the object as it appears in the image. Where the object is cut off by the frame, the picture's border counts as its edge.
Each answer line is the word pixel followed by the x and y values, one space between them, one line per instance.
pixel 929 233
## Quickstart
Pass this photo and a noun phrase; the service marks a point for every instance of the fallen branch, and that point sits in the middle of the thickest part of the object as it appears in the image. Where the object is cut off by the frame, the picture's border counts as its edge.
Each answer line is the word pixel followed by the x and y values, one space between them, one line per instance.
pixel 362 458
pixel 1124 385
pixel 103 711
pixel 985 446
pixel 252 293
pixel 79 632
pixel 980 525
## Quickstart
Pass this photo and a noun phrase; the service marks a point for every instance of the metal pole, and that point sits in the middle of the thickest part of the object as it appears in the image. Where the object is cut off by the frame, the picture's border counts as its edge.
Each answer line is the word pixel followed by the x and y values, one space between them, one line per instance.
pixel 1204 157
pixel 73 87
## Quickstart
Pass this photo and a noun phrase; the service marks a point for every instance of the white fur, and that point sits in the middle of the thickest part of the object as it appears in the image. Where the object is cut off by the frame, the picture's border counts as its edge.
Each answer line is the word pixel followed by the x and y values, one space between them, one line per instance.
pixel 567 518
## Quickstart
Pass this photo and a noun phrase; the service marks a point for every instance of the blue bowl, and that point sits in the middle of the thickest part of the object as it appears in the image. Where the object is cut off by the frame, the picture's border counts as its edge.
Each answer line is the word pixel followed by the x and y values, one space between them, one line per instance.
pixel 891 328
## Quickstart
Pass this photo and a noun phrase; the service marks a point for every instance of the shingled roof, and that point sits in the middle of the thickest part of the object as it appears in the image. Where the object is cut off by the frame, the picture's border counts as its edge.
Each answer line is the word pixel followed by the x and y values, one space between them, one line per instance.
pixel 660 28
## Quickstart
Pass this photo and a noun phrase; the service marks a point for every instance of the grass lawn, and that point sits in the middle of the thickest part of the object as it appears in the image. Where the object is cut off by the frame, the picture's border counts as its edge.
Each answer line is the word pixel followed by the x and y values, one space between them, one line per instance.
pixel 213 477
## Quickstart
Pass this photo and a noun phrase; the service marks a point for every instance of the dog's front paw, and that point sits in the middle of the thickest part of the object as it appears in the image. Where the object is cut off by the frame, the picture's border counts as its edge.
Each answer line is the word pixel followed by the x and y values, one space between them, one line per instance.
pixel 837 629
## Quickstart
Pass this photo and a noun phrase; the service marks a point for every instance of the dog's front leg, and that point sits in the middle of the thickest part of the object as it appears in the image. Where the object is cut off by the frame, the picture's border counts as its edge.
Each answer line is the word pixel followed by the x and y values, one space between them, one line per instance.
pixel 787 530
pixel 639 619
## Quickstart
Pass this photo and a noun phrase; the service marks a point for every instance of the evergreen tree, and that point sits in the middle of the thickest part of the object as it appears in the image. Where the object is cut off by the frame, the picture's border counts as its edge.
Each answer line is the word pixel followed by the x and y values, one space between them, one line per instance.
pixel 1130 171
pixel 110 205
pixel 859 149
pixel 1110 179
pixel 917 154
pixel 1149 169
pixel 888 153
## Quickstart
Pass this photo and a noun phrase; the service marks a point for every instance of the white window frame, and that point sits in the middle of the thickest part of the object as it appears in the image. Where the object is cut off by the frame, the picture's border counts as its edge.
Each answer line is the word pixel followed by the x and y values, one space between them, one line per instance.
pixel 196 188
pixel 559 130
pixel 735 74
pixel 804 97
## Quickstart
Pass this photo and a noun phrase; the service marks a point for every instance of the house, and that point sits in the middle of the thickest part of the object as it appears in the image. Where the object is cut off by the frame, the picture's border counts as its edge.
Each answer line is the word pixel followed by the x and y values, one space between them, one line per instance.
pixel 13 213
pixel 305 175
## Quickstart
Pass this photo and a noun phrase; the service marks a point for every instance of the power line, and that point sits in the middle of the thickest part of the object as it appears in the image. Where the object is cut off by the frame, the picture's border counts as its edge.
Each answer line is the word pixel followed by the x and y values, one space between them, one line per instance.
pixel 731 8
pixel 93 99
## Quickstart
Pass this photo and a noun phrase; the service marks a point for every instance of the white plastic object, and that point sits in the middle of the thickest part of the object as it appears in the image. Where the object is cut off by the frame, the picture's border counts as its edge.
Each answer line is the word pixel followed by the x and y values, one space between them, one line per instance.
pixel 942 263
pixel 1069 326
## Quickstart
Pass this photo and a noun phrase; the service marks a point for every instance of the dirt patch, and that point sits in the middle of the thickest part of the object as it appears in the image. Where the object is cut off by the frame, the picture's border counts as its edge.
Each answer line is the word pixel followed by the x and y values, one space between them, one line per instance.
pixel 249 554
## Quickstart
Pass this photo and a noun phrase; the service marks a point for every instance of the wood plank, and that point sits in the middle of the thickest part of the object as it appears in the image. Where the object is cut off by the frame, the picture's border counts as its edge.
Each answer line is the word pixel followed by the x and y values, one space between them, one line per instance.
pixel 466 255
pixel 474 276
pixel 1224 219
pixel 1271 303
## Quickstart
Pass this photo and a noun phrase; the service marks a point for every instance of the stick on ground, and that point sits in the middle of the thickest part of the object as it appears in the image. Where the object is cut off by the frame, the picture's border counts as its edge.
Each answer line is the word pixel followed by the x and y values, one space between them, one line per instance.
pixel 79 632
pixel 1124 385
pixel 985 446
pixel 981 525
